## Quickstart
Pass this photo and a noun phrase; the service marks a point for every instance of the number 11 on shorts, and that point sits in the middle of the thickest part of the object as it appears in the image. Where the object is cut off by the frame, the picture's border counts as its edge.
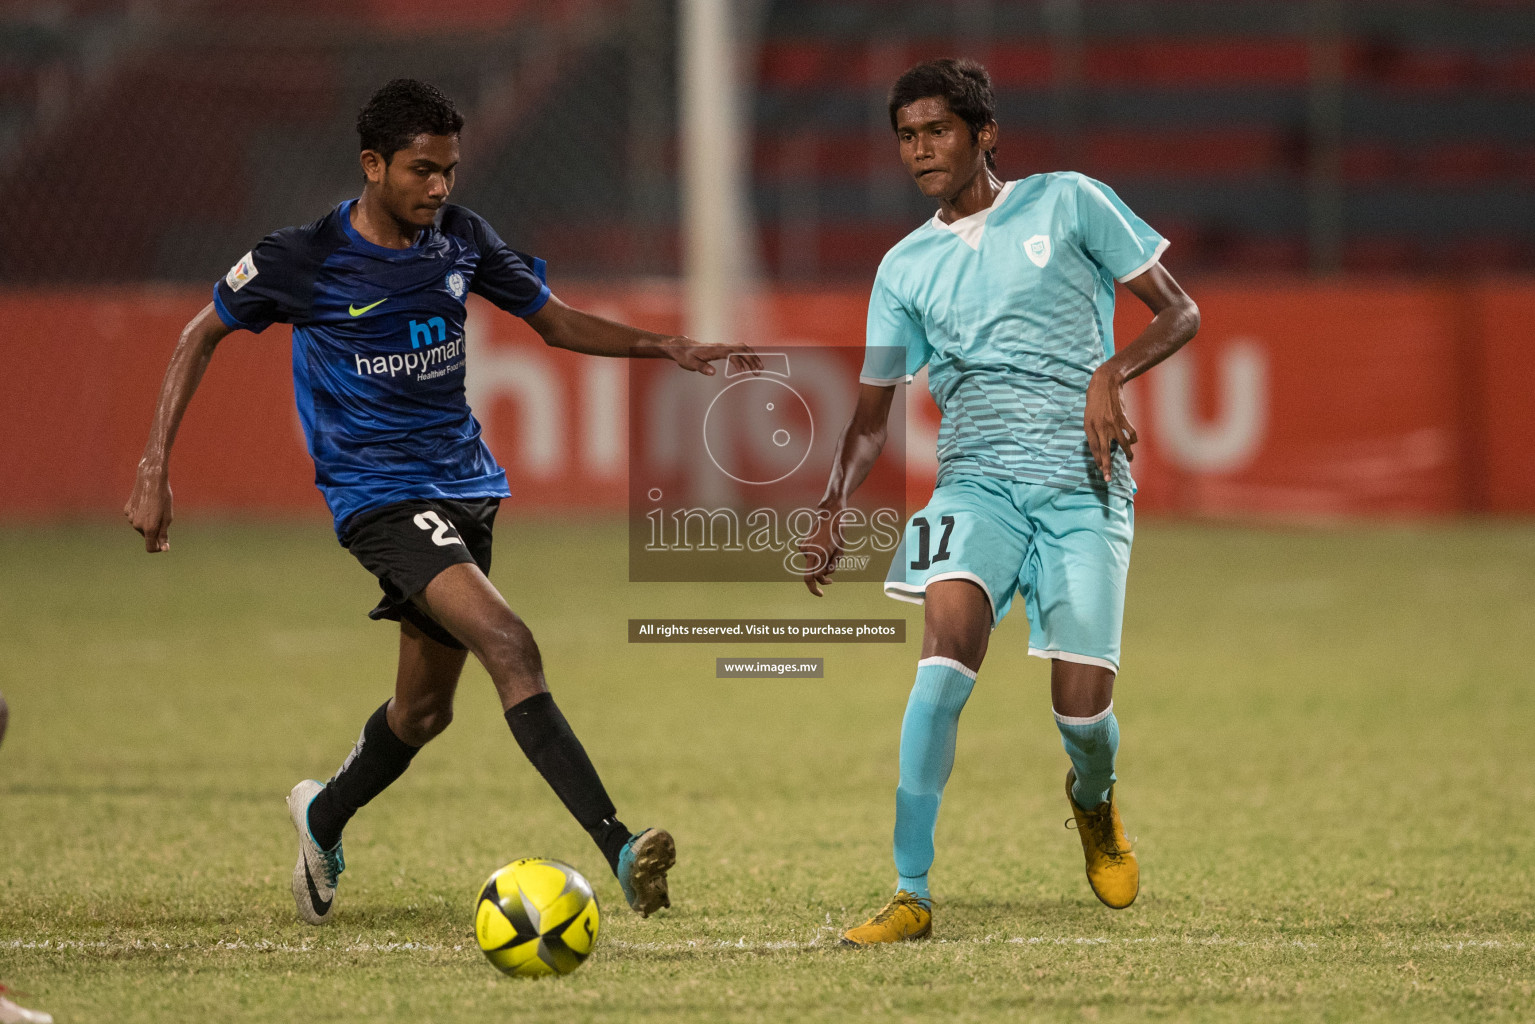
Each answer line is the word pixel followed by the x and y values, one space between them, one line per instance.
pixel 924 537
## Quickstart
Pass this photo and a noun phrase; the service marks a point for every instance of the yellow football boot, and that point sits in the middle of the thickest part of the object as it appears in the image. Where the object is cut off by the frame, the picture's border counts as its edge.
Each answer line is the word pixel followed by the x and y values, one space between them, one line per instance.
pixel 1112 869
pixel 906 916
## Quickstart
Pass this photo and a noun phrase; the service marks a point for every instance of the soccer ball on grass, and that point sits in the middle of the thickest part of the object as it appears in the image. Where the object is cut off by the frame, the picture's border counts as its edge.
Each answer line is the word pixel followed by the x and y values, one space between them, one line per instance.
pixel 536 917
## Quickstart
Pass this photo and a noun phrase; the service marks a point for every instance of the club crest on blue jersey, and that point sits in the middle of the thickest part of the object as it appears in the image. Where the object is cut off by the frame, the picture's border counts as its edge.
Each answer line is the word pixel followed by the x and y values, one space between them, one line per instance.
pixel 1037 248
pixel 455 283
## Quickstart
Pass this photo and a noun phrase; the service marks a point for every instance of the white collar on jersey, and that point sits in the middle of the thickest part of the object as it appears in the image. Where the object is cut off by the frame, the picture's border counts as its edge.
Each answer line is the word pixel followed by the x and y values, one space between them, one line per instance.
pixel 969 228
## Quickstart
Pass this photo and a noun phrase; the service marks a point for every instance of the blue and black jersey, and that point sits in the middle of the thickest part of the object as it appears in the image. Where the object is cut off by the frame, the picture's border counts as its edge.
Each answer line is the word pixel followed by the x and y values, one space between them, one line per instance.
pixel 378 350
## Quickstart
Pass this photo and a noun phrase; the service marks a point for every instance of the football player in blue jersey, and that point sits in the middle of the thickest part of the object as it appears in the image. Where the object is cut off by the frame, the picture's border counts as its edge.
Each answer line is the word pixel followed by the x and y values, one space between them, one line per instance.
pixel 375 292
pixel 1007 297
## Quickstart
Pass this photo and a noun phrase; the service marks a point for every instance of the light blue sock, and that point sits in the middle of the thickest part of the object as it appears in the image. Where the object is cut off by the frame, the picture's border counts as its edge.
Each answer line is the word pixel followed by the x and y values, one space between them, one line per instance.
pixel 1091 743
pixel 927 756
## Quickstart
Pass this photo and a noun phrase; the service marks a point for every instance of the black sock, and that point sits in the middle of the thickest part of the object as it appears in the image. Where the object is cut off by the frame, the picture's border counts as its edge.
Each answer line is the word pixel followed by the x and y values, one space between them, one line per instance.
pixel 610 835
pixel 545 737
pixel 378 759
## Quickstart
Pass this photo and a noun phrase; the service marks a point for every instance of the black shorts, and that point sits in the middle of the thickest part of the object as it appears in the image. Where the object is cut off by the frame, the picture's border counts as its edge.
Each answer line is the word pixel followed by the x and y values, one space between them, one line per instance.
pixel 408 543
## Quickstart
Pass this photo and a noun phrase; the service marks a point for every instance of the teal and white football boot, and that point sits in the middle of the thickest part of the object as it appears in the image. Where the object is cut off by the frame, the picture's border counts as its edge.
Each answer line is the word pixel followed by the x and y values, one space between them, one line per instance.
pixel 318 871
pixel 642 867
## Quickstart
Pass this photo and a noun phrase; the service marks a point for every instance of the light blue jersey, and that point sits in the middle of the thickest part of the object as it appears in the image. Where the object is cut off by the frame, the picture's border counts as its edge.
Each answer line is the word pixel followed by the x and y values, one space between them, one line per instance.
pixel 1012 309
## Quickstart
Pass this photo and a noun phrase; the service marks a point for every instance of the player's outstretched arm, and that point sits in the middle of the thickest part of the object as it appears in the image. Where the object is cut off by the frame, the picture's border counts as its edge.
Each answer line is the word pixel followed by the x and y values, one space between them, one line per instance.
pixel 860 444
pixel 1175 321
pixel 563 326
pixel 149 508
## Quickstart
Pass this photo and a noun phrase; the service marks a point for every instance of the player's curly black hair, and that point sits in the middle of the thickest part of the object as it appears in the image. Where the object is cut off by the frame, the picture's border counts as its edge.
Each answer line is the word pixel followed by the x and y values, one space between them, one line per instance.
pixel 963 84
pixel 400 111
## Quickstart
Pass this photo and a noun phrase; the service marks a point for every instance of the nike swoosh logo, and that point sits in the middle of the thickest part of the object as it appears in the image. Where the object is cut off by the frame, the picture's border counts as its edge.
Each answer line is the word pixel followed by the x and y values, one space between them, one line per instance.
pixel 321 907
pixel 359 312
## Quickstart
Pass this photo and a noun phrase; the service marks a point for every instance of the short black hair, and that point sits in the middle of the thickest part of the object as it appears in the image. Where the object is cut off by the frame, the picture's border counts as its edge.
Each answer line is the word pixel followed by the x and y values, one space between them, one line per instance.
pixel 961 83
pixel 402 110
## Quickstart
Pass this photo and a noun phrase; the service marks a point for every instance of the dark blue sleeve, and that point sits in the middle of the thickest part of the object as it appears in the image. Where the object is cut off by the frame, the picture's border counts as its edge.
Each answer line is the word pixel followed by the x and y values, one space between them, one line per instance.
pixel 273 283
pixel 511 279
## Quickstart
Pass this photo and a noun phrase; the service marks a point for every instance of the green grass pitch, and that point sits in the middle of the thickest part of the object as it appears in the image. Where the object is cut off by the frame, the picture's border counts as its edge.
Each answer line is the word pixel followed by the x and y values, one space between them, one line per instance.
pixel 1327 762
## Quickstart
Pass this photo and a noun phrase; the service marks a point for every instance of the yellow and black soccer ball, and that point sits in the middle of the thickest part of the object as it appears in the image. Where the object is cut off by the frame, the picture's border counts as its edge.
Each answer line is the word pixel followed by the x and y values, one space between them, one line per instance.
pixel 536 917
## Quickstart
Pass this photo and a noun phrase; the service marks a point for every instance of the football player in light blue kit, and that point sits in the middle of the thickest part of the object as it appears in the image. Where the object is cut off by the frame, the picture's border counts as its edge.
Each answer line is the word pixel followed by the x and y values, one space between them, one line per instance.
pixel 1007 297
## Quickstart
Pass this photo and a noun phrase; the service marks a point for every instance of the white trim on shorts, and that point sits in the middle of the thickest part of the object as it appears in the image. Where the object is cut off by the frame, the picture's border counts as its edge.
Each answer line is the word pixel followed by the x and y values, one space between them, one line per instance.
pixel 1080 659
pixel 957 666
pixel 916 595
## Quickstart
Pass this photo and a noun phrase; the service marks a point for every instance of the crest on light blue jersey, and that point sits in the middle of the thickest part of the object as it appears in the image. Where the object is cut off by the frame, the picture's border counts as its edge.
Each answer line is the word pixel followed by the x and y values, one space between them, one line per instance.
pixel 1037 248
pixel 455 283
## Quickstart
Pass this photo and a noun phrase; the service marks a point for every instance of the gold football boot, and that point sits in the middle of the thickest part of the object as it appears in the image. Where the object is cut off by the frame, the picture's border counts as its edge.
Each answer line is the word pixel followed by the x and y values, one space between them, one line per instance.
pixel 906 916
pixel 1112 869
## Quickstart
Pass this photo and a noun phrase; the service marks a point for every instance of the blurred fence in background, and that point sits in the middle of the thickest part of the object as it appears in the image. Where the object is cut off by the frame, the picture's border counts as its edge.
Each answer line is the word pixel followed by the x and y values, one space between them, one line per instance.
pixel 160 140
pixel 157 139
pixel 1293 150
pixel 1257 136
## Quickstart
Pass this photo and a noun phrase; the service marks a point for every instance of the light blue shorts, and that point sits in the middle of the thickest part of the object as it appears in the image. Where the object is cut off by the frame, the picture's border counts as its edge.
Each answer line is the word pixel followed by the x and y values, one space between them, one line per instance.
pixel 1066 552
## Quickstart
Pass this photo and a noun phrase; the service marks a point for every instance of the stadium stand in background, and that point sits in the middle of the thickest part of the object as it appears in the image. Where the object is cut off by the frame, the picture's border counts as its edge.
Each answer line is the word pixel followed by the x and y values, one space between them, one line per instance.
pixel 169 135
pixel 1259 136
pixel 1282 135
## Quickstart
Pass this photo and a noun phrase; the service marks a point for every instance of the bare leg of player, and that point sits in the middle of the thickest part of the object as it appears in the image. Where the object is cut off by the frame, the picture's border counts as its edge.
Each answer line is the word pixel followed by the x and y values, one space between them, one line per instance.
pixel 956 622
pixel 470 607
pixel 424 687
pixel 1080 691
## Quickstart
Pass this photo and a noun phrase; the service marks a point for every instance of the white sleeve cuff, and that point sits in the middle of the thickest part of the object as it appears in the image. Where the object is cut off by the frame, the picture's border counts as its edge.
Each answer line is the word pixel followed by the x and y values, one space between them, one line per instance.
pixel 1138 271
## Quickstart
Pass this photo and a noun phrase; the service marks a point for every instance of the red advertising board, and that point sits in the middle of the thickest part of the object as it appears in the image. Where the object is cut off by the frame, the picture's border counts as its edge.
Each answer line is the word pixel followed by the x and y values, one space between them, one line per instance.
pixel 1305 400
pixel 1297 400
pixel 1501 411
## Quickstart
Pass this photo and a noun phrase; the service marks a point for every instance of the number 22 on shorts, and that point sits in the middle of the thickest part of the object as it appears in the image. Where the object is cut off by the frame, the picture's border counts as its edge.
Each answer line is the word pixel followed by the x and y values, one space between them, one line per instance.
pixel 443 533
